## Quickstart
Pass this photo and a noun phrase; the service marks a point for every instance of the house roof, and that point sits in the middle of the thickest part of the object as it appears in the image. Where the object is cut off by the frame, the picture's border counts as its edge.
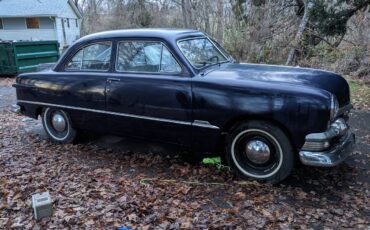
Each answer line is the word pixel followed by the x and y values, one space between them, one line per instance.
pixel 31 8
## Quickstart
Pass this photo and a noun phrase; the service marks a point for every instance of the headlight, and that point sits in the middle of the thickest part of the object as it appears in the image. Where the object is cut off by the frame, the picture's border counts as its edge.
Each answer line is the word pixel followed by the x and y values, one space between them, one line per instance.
pixel 334 107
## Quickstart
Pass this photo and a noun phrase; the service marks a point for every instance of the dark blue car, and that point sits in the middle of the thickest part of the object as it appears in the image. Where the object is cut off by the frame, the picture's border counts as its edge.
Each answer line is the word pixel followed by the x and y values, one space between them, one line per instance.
pixel 181 87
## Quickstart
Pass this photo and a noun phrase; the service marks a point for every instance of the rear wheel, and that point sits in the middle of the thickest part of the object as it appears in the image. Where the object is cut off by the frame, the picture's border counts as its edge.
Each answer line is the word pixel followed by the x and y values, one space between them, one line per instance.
pixel 261 151
pixel 58 126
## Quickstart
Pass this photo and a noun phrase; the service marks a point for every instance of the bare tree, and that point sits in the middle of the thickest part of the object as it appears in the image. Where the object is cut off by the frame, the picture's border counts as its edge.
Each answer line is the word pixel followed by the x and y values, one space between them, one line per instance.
pixel 302 27
pixel 263 31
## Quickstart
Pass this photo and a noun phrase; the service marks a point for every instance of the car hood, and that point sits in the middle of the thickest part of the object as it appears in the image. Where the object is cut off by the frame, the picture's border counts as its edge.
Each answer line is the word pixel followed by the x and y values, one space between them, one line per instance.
pixel 320 79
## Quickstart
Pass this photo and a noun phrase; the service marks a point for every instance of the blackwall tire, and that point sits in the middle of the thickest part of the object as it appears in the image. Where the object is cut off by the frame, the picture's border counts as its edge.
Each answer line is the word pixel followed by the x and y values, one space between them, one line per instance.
pixel 62 132
pixel 261 151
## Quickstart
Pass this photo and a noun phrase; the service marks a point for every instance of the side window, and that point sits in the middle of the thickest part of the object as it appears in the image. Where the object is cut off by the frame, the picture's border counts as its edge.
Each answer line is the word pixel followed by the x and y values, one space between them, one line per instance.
pixel 95 57
pixel 139 56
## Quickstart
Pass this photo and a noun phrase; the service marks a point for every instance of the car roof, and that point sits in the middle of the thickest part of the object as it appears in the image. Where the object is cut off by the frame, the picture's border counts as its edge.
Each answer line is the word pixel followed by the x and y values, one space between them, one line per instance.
pixel 161 33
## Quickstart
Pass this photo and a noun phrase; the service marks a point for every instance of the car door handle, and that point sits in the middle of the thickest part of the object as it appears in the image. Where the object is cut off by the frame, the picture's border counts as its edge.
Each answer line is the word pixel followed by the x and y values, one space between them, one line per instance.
pixel 112 79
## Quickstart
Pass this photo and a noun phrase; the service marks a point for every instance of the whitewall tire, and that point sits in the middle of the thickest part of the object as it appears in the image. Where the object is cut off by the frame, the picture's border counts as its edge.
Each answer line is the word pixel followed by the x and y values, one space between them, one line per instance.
pixel 261 151
pixel 58 125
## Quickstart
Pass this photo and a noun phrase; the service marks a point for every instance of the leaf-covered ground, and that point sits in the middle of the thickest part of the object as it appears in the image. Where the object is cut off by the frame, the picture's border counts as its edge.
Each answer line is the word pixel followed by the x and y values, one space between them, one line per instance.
pixel 97 187
pixel 98 184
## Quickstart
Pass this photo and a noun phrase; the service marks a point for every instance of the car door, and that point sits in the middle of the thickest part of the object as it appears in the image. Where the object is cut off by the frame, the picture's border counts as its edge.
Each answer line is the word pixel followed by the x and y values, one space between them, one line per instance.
pixel 84 80
pixel 149 94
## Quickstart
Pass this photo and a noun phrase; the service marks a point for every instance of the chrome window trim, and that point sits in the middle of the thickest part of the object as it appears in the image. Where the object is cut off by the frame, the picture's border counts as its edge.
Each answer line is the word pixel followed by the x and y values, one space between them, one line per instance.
pixel 64 70
pixel 144 72
pixel 202 124
pixel 201 37
pixel 227 55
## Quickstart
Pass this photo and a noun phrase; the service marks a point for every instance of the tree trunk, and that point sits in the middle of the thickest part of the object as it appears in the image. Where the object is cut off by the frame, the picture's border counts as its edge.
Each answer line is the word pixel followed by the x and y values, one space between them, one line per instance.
pixel 302 27
pixel 301 7
pixel 184 8
pixel 219 22
pixel 205 16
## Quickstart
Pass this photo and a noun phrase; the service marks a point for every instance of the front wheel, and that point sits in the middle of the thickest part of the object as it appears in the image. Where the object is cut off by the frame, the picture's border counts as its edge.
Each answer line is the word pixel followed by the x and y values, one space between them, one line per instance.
pixel 261 151
pixel 58 126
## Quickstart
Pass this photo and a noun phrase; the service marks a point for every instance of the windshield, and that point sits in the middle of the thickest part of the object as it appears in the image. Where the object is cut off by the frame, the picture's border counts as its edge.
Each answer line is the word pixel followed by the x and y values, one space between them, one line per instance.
pixel 200 52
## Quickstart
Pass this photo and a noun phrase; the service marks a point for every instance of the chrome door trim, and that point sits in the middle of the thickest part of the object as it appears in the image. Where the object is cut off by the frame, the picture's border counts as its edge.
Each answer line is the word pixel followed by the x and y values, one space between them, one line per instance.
pixel 202 124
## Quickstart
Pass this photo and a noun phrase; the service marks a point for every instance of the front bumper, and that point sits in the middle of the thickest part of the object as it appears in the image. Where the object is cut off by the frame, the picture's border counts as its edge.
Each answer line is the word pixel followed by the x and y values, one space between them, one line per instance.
pixel 331 157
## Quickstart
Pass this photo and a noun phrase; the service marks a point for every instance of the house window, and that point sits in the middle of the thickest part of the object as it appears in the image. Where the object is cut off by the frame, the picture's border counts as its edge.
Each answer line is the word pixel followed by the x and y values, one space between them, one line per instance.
pixel 46 23
pixel 1 24
pixel 32 23
pixel 68 22
pixel 76 23
pixel 13 23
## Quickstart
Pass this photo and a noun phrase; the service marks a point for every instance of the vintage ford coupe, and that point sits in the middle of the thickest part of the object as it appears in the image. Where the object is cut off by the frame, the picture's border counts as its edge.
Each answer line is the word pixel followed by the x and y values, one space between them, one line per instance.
pixel 181 87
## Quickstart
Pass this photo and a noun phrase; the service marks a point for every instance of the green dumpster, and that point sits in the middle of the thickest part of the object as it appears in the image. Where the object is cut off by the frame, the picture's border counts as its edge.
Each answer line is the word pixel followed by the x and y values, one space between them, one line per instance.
pixel 24 56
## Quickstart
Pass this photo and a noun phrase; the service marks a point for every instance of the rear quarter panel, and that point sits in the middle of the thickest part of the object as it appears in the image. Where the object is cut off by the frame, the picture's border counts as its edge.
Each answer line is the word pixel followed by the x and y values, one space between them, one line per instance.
pixel 86 90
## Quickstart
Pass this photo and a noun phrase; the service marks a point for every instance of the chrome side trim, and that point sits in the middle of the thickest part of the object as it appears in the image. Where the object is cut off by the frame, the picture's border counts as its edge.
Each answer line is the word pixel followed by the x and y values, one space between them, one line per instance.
pixel 202 124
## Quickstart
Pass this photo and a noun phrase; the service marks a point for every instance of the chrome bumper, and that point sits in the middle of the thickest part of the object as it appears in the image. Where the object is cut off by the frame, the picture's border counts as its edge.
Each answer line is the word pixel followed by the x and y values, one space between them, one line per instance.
pixel 331 157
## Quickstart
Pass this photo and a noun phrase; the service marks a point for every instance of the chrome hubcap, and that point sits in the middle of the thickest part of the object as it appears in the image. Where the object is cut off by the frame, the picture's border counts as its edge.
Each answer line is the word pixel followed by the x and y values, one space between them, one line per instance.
pixel 257 151
pixel 58 122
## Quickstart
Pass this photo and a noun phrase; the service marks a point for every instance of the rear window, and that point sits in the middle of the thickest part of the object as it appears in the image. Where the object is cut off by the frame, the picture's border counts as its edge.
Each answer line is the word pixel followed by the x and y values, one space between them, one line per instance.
pixel 95 57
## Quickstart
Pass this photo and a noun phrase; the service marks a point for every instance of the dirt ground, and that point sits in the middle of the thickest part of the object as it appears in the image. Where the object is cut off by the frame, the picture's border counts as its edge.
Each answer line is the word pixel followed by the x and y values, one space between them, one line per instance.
pixel 107 182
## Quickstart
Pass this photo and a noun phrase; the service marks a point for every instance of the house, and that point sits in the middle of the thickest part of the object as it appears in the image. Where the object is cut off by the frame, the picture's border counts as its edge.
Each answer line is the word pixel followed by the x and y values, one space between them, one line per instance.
pixel 34 20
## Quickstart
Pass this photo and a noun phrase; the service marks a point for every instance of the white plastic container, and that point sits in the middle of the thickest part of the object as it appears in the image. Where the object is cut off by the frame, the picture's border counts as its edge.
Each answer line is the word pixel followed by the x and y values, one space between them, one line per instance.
pixel 42 205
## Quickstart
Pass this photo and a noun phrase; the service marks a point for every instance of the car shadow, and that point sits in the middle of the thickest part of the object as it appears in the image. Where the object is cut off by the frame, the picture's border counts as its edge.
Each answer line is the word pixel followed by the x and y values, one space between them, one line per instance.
pixel 310 179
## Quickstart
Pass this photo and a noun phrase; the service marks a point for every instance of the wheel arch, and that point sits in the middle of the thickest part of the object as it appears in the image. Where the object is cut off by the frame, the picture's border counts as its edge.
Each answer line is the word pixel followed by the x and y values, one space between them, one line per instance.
pixel 236 121
pixel 30 110
pixel 38 111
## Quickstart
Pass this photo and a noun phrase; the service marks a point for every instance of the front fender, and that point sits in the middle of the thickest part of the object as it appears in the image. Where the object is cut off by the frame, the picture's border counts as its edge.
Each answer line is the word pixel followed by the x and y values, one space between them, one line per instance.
pixel 300 110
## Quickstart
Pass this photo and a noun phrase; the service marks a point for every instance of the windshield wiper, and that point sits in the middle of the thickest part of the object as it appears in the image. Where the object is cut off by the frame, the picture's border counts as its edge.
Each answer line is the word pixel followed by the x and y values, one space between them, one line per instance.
pixel 208 64
pixel 204 63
